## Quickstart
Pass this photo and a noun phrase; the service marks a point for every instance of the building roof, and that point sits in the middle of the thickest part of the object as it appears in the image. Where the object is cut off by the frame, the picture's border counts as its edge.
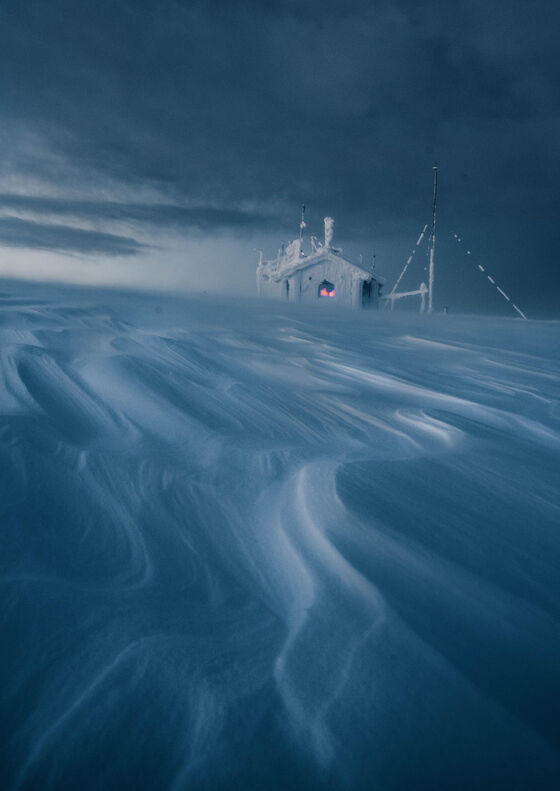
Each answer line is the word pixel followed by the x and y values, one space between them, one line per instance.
pixel 293 261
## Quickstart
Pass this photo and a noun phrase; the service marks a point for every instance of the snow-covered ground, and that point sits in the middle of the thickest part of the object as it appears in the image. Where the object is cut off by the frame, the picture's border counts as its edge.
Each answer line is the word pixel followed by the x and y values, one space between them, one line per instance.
pixel 252 545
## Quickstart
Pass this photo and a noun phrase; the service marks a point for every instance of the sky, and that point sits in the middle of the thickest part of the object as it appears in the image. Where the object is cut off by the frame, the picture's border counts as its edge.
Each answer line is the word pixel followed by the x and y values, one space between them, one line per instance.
pixel 157 144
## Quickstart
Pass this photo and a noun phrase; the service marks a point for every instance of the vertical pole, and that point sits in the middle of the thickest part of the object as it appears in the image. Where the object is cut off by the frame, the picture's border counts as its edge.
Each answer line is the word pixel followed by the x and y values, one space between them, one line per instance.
pixel 301 227
pixel 432 247
pixel 423 290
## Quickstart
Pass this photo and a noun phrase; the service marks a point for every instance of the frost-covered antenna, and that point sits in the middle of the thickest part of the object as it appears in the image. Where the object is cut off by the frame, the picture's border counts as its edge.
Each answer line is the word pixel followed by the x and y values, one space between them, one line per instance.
pixel 302 224
pixel 432 247
pixel 409 259
pixel 394 294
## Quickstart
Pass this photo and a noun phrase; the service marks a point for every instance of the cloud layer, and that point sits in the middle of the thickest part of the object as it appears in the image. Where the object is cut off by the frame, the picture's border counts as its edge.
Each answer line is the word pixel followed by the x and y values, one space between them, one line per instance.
pixel 204 117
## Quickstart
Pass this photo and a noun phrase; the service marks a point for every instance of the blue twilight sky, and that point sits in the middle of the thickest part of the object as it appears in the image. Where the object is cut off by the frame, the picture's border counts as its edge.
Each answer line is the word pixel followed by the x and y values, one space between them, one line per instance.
pixel 156 143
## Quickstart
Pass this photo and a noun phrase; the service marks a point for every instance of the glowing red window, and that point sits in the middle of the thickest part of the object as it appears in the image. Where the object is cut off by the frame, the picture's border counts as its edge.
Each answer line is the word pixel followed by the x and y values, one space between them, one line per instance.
pixel 326 289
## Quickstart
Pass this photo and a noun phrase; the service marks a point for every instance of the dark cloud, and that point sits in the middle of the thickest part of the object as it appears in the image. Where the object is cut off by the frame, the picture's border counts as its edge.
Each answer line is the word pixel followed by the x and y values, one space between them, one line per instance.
pixel 228 105
pixel 15 232
pixel 202 218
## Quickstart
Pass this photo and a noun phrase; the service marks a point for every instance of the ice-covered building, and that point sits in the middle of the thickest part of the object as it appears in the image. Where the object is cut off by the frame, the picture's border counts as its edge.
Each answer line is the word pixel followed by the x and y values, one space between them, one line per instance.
pixel 322 274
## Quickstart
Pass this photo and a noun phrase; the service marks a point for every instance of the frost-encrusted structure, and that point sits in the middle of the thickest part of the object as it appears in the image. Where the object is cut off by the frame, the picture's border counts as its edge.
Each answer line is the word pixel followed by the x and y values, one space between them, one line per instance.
pixel 322 274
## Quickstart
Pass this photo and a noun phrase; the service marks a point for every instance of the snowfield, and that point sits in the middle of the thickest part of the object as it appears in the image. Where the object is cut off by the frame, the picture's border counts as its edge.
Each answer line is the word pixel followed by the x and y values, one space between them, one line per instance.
pixel 260 546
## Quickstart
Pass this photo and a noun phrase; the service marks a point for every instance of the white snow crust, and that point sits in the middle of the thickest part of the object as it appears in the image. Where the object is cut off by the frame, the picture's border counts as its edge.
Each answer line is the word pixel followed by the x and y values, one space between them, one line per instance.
pixel 260 545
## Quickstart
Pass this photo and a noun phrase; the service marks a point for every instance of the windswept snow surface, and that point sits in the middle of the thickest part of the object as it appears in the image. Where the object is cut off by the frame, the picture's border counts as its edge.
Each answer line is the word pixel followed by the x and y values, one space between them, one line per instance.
pixel 259 546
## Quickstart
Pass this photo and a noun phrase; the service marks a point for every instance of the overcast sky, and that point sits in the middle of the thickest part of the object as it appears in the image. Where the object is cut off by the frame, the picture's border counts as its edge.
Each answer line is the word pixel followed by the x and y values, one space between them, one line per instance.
pixel 156 143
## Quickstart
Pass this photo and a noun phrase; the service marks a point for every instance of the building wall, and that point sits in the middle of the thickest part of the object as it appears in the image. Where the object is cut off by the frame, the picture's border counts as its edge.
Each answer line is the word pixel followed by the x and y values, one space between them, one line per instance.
pixel 303 286
pixel 341 275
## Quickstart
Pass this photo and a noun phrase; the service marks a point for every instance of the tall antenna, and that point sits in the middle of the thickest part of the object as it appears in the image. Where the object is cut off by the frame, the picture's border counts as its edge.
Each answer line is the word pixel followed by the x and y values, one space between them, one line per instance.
pixel 432 247
pixel 302 223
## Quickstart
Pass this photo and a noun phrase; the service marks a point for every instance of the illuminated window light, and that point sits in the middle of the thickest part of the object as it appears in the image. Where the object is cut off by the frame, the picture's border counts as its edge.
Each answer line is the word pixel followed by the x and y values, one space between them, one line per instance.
pixel 327 289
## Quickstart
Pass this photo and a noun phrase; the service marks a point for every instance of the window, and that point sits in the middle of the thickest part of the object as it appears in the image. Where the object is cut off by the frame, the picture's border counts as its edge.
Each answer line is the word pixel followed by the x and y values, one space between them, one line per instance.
pixel 326 289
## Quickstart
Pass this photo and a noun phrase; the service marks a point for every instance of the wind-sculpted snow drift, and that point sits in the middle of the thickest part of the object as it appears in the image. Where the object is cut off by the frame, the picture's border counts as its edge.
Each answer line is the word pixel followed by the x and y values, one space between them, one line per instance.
pixel 253 545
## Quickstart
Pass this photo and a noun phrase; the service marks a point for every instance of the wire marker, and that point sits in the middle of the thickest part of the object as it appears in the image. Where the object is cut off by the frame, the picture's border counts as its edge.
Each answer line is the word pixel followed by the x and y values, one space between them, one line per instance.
pixel 491 279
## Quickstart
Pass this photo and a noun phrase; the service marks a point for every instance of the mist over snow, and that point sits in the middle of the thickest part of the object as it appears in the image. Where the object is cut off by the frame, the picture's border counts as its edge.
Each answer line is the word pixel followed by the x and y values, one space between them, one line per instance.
pixel 258 545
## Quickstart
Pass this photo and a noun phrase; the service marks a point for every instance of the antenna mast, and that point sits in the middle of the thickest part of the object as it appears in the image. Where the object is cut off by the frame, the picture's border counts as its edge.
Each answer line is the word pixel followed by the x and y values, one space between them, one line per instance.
pixel 432 247
pixel 302 223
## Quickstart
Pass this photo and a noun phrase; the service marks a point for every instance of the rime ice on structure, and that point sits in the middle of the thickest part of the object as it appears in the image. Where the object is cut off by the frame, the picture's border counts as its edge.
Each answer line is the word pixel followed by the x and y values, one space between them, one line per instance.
pixel 322 274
